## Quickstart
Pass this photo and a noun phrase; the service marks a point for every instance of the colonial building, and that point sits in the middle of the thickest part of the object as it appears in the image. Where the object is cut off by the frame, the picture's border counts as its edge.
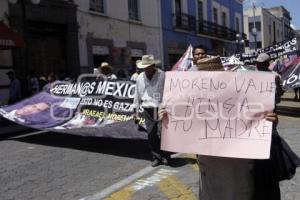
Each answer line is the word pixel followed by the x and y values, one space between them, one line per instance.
pixel 50 31
pixel 6 62
pixel 75 36
pixel 265 27
pixel 118 31
pixel 284 15
pixel 211 23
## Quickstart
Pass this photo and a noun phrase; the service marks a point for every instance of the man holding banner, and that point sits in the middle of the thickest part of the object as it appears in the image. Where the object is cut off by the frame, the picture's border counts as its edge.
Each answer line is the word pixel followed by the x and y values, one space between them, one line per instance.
pixel 199 52
pixel 262 64
pixel 149 92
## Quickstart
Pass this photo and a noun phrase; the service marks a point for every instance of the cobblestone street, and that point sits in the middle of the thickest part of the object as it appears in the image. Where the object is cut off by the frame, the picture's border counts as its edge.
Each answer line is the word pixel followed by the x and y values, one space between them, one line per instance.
pixel 52 166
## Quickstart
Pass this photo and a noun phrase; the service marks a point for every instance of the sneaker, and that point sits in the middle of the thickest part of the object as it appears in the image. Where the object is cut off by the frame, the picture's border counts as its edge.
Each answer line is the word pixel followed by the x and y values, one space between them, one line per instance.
pixel 155 163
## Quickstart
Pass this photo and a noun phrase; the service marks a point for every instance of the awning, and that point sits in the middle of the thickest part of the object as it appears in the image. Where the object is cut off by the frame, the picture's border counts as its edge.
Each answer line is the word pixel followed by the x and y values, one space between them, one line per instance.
pixel 8 38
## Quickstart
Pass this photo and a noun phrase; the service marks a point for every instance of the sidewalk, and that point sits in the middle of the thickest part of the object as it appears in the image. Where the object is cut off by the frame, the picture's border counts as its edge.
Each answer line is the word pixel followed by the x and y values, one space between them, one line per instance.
pixel 288 106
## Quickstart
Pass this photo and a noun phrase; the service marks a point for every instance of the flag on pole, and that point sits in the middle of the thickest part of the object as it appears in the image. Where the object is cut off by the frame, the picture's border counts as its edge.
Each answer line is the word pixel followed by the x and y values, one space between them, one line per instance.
pixel 185 63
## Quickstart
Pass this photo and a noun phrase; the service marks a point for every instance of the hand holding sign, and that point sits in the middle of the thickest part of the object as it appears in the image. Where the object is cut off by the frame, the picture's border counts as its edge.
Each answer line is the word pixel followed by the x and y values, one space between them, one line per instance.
pixel 219 113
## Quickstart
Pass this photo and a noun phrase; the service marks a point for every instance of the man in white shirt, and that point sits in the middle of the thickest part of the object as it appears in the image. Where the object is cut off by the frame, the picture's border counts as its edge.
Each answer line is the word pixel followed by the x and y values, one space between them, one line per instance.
pixel 149 93
pixel 136 74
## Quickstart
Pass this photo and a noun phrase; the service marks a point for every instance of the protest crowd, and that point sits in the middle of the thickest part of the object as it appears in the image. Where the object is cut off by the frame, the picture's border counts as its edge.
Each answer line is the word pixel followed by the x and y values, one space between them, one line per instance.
pixel 234 178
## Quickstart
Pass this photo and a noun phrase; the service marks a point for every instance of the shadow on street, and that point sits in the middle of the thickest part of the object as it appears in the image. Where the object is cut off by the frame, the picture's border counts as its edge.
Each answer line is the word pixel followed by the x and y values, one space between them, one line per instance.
pixel 131 148
pixel 119 147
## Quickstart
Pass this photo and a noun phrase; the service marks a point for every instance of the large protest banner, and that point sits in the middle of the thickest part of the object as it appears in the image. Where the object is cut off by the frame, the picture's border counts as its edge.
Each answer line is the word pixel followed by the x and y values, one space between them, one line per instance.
pixel 289 70
pixel 291 77
pixel 91 107
pixel 105 108
pixel 286 47
pixel 41 111
pixel 218 113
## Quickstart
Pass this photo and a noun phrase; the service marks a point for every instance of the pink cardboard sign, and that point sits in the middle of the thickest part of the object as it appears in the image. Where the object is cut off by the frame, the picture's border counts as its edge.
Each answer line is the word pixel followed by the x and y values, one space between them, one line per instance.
pixel 218 113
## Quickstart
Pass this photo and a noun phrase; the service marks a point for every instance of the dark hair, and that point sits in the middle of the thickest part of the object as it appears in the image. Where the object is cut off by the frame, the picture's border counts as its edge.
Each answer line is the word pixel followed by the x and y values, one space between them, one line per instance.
pixel 200 47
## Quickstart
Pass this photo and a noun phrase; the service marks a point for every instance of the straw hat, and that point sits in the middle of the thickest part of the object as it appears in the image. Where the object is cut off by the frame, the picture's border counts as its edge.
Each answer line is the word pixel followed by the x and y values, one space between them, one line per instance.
pixel 147 60
pixel 263 57
pixel 210 64
pixel 104 65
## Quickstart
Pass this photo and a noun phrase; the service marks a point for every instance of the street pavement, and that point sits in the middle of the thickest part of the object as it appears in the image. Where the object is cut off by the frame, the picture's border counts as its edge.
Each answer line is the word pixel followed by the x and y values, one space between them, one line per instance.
pixel 54 166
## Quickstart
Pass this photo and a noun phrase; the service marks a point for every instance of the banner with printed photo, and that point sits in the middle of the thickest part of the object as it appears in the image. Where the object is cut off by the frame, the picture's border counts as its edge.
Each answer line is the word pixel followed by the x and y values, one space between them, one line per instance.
pixel 41 111
pixel 92 107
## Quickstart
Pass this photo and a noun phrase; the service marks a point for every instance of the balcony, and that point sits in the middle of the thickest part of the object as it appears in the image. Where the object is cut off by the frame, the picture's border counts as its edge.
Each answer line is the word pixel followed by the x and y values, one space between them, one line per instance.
pixel 188 23
pixel 184 22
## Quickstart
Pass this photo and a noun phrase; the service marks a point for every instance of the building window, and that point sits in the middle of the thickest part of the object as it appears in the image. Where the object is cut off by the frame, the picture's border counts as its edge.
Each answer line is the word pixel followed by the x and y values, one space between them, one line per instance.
pixel 133 9
pixel 257 26
pixel 97 5
pixel 178 12
pixel 237 24
pixel 215 15
pixel 252 45
pixel 224 19
pixel 258 45
pixel 178 7
pixel 200 10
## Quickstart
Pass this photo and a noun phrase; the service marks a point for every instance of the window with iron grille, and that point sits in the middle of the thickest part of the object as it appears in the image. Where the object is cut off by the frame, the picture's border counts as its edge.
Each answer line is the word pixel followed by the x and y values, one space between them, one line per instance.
pixel 215 15
pixel 97 5
pixel 237 24
pixel 257 26
pixel 200 10
pixel 224 19
pixel 133 9
pixel 258 45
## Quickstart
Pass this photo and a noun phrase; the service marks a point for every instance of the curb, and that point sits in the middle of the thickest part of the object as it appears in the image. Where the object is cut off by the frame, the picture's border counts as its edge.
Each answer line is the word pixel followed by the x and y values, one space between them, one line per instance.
pixel 281 110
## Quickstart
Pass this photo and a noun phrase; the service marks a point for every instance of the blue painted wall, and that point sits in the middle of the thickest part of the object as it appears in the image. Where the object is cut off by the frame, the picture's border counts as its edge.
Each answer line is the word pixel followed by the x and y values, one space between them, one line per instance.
pixel 175 38
pixel 233 7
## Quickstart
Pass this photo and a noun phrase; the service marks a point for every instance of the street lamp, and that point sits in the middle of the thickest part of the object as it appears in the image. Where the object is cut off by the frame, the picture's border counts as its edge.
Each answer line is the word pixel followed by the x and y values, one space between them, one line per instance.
pixel 254 33
pixel 254 30
pixel 239 41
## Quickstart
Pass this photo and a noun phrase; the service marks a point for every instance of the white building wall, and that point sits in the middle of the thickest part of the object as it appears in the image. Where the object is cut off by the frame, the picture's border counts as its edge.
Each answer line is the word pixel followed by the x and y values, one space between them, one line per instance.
pixel 116 26
pixel 267 36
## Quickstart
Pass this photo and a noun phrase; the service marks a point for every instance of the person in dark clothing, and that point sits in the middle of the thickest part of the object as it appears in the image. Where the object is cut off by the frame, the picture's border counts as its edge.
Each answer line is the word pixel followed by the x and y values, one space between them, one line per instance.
pixel 15 94
pixel 297 94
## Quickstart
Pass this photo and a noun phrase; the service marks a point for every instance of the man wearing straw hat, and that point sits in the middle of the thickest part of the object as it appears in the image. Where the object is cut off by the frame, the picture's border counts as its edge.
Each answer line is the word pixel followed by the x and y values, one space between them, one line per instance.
pixel 105 69
pixel 149 92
